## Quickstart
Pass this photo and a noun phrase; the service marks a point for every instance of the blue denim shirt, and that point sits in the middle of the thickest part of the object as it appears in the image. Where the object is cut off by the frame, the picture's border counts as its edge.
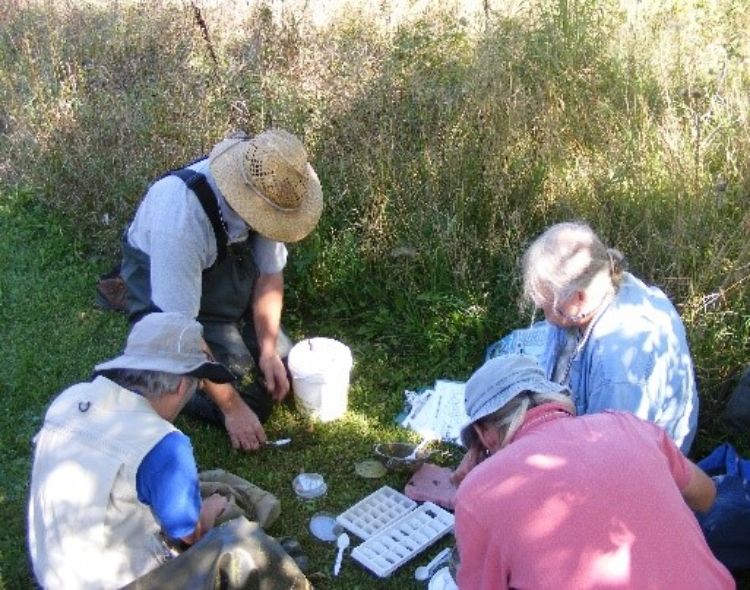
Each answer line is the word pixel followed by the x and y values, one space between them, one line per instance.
pixel 637 360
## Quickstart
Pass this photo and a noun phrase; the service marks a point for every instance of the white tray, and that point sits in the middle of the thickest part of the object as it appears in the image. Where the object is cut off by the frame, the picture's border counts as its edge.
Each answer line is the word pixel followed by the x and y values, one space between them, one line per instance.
pixel 375 512
pixel 393 546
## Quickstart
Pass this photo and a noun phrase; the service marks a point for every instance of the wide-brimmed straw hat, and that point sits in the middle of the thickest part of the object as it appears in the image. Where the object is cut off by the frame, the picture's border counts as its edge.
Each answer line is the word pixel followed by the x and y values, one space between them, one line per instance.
pixel 168 343
pixel 497 382
pixel 268 181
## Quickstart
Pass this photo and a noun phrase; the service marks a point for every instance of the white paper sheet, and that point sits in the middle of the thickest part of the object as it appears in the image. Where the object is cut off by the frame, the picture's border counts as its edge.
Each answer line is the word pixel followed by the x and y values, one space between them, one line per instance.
pixel 437 414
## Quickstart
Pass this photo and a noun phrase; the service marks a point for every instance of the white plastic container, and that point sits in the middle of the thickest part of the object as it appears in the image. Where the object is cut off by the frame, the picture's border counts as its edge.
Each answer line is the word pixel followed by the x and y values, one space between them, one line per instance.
pixel 442 580
pixel 320 369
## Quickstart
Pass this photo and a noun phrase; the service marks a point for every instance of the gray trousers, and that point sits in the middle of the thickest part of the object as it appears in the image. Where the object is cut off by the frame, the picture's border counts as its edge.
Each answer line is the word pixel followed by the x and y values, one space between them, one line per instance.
pixel 235 345
pixel 226 318
pixel 236 555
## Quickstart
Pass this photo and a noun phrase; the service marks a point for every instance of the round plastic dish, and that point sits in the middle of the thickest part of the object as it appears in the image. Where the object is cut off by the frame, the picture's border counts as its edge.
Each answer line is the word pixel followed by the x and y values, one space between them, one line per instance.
pixel 399 456
pixel 324 527
pixel 370 469
pixel 309 486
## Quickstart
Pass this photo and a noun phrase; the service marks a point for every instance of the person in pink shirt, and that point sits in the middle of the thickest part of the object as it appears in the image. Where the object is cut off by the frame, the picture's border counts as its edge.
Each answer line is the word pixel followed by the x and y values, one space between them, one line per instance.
pixel 550 500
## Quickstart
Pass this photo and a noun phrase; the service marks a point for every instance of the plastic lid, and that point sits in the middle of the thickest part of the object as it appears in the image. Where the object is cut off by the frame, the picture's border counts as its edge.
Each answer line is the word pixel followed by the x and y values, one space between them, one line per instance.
pixel 370 468
pixel 324 527
pixel 442 580
pixel 309 485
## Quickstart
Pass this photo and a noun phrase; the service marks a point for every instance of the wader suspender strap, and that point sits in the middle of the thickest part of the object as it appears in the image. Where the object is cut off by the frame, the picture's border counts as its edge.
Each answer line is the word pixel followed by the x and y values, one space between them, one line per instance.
pixel 197 182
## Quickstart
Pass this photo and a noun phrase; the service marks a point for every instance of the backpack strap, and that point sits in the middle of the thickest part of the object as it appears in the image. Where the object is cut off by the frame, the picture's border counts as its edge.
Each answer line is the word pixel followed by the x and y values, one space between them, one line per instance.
pixel 197 182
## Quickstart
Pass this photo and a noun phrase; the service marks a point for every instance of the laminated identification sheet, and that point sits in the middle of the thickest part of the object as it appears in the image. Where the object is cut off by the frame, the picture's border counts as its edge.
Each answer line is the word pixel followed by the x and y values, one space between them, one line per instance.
pixel 438 413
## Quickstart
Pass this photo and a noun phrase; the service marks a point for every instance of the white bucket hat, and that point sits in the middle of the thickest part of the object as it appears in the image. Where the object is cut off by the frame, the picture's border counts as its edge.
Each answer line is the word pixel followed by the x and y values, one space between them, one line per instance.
pixel 268 181
pixel 169 343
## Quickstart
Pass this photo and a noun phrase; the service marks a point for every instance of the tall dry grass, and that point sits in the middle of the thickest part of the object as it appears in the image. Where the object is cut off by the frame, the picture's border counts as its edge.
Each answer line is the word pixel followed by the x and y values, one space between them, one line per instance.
pixel 447 135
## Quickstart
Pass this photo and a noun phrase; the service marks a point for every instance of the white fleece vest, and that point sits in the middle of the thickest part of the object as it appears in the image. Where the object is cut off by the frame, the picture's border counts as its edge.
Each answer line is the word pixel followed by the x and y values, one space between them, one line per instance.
pixel 87 528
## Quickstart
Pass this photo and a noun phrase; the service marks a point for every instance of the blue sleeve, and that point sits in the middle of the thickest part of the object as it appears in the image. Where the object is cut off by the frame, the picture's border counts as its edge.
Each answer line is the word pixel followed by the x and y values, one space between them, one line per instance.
pixel 167 481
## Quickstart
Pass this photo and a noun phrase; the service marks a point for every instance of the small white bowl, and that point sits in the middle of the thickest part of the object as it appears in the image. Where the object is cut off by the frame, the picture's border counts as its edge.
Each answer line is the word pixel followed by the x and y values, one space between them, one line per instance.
pixel 309 486
pixel 442 580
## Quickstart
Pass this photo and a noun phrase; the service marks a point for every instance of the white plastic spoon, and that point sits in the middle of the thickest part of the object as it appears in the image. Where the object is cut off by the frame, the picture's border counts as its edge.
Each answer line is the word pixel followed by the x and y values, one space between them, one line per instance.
pixel 423 572
pixel 342 542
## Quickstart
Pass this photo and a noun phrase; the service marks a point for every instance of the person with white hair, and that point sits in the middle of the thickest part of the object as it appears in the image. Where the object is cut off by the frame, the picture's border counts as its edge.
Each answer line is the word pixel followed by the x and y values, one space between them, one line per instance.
pixel 565 502
pixel 209 240
pixel 615 342
pixel 115 487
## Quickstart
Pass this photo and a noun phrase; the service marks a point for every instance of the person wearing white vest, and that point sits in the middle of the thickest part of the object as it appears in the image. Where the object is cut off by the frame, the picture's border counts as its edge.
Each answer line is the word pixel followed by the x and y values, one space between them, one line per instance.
pixel 114 485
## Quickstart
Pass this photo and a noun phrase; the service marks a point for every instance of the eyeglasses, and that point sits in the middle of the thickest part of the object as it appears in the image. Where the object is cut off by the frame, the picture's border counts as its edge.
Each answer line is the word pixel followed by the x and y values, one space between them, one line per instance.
pixel 572 318
pixel 579 317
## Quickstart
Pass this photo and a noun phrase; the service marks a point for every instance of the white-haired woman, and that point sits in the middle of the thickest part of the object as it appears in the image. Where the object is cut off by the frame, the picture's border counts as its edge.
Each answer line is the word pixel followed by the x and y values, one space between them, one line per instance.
pixel 615 342
pixel 565 502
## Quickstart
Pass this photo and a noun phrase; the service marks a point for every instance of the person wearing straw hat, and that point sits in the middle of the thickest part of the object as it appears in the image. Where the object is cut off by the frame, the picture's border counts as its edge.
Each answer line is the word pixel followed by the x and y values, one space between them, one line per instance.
pixel 208 240
pixel 565 502
pixel 114 484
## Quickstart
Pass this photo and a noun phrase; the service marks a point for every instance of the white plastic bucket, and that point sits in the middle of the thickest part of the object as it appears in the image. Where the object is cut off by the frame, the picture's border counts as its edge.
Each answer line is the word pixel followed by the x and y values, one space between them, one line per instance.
pixel 320 369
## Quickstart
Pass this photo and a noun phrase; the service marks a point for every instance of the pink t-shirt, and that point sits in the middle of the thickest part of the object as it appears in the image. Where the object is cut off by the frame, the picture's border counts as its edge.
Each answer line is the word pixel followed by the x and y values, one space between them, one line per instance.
pixel 583 503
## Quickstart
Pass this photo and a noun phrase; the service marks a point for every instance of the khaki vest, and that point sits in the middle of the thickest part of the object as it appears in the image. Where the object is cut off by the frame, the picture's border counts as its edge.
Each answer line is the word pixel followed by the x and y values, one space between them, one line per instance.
pixel 87 528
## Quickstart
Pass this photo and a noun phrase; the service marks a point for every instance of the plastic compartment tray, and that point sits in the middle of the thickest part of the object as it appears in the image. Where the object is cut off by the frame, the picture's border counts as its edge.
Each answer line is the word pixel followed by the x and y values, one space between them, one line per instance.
pixel 401 541
pixel 375 512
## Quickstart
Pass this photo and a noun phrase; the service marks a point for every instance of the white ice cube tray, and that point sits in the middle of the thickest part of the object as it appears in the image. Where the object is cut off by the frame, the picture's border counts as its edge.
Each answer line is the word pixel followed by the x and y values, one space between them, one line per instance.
pixel 396 544
pixel 375 512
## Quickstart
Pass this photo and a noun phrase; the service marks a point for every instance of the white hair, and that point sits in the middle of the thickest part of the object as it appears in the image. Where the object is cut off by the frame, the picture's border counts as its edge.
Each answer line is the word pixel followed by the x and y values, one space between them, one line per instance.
pixel 566 258
pixel 151 384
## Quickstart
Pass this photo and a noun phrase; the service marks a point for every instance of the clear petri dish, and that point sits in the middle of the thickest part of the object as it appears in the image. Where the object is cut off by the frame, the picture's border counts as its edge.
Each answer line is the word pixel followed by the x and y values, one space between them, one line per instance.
pixel 308 486
pixel 370 469
pixel 324 527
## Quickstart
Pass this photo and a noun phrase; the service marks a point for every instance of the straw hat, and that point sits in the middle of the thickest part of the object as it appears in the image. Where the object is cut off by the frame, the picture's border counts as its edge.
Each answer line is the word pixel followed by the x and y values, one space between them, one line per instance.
pixel 268 181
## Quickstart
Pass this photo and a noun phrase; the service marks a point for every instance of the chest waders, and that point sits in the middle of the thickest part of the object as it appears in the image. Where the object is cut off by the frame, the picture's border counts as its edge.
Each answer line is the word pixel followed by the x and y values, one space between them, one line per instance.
pixel 227 286
pixel 225 306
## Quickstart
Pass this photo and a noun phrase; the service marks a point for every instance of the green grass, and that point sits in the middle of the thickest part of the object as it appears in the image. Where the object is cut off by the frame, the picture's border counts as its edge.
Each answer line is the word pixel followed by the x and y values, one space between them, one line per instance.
pixel 52 337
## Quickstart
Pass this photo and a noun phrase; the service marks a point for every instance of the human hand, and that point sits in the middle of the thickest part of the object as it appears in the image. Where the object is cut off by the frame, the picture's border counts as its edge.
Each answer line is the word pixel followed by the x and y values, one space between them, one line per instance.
pixel 274 375
pixel 244 428
pixel 211 510
pixel 471 459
